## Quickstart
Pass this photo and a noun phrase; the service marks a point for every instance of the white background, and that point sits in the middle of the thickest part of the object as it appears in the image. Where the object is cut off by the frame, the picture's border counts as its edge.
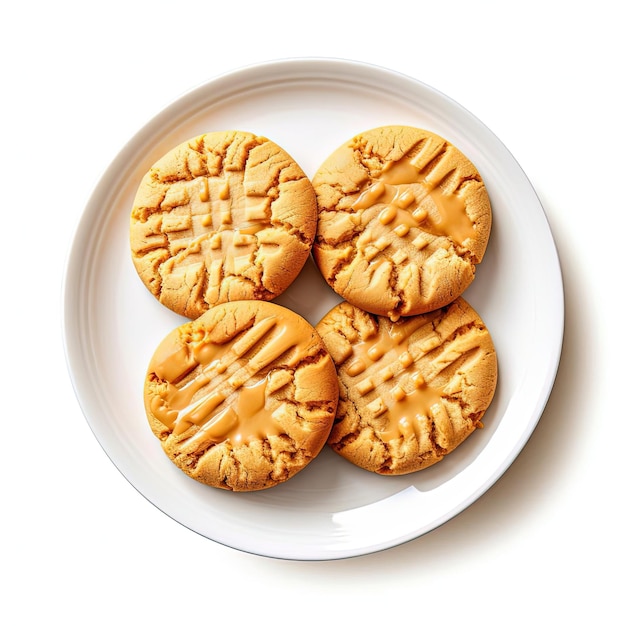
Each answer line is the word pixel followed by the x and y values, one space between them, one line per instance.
pixel 79 543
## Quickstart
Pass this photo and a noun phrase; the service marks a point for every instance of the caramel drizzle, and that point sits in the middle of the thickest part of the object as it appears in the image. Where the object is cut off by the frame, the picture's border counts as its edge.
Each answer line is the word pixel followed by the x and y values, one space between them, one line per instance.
pixel 217 399
pixel 410 401
pixel 403 188
pixel 222 233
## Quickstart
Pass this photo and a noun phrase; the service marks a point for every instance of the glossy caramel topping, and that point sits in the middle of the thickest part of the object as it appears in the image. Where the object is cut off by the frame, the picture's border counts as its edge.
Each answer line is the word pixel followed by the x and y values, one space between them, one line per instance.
pixel 204 189
pixel 386 357
pixel 403 188
pixel 220 388
pixel 231 207
pixel 244 419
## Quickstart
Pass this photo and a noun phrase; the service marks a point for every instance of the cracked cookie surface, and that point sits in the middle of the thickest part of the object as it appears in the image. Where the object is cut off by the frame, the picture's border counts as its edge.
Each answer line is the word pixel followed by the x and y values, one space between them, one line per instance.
pixel 404 218
pixel 243 397
pixel 224 216
pixel 411 391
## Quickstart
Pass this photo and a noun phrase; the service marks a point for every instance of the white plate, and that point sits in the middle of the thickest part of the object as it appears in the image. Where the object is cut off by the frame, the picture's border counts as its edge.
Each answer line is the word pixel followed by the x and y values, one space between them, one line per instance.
pixel 331 509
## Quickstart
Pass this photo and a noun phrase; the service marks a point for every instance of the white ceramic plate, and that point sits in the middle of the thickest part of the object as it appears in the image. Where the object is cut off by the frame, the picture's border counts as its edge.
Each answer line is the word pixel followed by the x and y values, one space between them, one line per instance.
pixel 331 509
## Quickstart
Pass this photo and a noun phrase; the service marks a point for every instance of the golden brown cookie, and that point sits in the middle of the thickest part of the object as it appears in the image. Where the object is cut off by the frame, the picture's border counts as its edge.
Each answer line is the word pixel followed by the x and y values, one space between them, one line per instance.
pixel 243 397
pixel 224 216
pixel 410 391
pixel 404 218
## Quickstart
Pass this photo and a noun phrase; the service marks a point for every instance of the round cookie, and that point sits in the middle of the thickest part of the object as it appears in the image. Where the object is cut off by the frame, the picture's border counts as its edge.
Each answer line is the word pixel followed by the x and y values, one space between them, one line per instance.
pixel 243 397
pixel 404 218
pixel 409 391
pixel 224 216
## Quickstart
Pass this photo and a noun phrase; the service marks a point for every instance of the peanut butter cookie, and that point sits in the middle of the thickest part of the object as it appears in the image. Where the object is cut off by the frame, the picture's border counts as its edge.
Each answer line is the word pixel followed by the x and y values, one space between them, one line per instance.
pixel 410 391
pixel 404 218
pixel 243 397
pixel 224 216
